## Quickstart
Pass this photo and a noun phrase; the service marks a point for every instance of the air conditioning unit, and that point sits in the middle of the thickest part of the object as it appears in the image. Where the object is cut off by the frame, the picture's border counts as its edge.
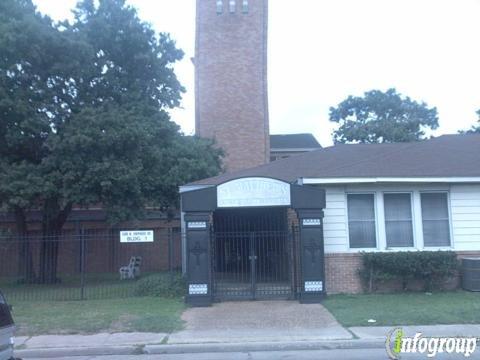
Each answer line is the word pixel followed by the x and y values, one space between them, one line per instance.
pixel 471 274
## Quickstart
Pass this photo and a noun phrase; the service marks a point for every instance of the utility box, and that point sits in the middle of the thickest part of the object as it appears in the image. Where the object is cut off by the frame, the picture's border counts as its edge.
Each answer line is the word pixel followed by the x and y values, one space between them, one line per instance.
pixel 471 274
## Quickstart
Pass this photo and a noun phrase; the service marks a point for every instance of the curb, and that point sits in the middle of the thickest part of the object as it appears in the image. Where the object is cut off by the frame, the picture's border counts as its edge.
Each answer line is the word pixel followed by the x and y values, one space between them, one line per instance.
pixel 199 348
pixel 263 346
pixel 49 353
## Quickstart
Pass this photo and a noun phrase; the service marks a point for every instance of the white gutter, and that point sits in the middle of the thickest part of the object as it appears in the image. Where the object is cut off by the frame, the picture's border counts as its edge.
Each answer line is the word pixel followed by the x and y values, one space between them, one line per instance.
pixel 187 188
pixel 272 150
pixel 353 180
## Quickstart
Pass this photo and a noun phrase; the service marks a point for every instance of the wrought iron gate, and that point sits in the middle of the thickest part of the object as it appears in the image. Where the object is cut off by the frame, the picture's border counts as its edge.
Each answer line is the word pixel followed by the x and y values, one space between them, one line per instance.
pixel 252 255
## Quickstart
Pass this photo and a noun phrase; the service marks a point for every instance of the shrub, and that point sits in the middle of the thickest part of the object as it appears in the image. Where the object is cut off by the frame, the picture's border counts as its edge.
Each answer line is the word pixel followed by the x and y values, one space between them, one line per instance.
pixel 161 285
pixel 432 268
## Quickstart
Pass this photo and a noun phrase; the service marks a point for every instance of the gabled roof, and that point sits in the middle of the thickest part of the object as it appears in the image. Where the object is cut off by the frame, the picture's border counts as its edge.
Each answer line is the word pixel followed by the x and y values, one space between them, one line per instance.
pixel 444 156
pixel 293 141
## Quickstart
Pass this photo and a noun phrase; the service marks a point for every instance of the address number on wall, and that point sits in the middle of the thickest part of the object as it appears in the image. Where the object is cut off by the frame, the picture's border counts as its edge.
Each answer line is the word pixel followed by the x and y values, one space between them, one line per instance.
pixel 136 236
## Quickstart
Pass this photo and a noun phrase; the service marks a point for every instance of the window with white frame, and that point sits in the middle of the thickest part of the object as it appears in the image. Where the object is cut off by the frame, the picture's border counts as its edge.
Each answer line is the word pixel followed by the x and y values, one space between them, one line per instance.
pixel 232 6
pixel 219 6
pixel 435 219
pixel 361 220
pixel 245 6
pixel 398 219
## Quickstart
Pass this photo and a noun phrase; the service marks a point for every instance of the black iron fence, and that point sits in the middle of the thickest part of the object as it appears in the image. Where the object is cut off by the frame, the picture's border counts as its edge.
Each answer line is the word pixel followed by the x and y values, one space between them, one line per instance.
pixel 85 263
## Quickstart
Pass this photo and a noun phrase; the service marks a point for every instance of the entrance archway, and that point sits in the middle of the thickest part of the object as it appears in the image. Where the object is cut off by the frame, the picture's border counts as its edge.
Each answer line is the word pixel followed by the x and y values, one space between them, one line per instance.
pixel 252 254
pixel 240 243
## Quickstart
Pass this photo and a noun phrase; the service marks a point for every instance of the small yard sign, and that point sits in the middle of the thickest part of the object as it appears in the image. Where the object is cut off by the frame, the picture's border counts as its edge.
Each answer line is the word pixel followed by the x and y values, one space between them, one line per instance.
pixel 135 236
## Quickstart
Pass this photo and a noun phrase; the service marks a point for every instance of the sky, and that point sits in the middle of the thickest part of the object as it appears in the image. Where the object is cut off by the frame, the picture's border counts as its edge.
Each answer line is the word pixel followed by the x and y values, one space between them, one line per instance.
pixel 320 52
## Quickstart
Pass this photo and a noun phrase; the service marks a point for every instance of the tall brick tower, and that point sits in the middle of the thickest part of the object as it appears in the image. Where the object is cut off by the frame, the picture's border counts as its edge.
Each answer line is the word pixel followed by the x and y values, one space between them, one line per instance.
pixel 231 79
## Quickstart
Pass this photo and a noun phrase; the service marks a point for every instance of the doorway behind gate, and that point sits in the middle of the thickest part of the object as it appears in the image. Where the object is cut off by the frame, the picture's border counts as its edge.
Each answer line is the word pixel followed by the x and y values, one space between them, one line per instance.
pixel 253 254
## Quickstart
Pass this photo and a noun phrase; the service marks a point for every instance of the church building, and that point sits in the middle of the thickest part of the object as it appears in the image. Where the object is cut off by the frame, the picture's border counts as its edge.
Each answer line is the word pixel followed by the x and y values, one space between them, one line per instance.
pixel 289 219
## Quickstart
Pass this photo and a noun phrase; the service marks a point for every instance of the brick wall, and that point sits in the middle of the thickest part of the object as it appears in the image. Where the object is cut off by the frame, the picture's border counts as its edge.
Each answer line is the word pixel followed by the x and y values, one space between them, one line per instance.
pixel 341 273
pixel 231 81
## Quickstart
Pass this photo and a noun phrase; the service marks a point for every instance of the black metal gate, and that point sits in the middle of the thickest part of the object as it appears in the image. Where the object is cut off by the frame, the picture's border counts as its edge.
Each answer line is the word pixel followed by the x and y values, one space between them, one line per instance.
pixel 252 254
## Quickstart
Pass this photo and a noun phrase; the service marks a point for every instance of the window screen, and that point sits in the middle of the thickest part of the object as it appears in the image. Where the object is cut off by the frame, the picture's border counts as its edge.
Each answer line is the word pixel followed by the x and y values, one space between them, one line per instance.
pixel 436 226
pixel 361 221
pixel 398 220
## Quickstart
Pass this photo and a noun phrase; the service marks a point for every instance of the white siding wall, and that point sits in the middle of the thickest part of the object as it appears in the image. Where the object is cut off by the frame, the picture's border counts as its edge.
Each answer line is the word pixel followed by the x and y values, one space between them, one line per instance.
pixel 335 220
pixel 465 210
pixel 464 214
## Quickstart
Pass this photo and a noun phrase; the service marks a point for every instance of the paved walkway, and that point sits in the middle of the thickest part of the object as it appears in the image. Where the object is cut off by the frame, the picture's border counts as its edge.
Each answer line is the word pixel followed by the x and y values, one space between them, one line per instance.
pixel 248 321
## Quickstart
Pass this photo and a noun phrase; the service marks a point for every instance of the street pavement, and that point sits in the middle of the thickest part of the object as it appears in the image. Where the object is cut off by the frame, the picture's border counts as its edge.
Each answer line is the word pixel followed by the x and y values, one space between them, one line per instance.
pixel 339 354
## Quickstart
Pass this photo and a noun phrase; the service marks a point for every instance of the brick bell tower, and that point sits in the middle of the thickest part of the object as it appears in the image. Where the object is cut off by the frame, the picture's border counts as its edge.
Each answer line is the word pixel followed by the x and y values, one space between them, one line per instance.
pixel 231 79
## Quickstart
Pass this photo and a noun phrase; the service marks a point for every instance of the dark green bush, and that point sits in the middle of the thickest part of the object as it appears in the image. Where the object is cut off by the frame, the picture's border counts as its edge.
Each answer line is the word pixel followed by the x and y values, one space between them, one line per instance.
pixel 161 285
pixel 432 268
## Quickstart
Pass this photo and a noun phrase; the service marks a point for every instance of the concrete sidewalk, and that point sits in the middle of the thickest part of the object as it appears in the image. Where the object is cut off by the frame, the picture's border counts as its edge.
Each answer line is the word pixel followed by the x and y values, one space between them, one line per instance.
pixel 52 346
pixel 82 341
pixel 380 332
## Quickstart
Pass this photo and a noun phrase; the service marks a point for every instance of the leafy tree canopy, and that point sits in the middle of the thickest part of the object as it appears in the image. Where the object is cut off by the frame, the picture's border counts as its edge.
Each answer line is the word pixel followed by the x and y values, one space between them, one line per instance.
pixel 382 117
pixel 84 114
pixel 475 129
pixel 84 119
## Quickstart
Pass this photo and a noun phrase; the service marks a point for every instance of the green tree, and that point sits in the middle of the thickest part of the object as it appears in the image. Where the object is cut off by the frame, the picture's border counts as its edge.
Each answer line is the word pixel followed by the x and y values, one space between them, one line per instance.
pixel 382 117
pixel 85 119
pixel 475 129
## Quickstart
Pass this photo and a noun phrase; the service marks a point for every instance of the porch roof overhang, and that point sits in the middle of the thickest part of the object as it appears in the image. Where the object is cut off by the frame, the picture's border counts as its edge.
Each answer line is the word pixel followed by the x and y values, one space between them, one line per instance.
pixel 208 198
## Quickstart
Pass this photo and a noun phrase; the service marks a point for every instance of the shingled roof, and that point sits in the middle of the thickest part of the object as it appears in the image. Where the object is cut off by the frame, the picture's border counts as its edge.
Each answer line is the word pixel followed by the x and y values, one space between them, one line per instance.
pixel 444 156
pixel 294 141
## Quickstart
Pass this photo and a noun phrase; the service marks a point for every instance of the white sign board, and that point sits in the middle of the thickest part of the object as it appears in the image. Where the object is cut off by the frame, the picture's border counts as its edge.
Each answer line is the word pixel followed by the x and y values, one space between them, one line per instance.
pixel 313 286
pixel 197 225
pixel 311 222
pixel 254 191
pixel 135 236
pixel 198 289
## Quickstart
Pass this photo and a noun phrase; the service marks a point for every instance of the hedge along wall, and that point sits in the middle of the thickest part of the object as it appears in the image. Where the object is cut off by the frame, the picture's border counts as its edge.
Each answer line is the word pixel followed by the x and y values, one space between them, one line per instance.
pixel 431 268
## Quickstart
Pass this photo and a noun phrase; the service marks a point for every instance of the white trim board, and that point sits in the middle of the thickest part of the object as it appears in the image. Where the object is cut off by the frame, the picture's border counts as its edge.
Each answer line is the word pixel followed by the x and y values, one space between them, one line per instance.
pixel 274 150
pixel 187 188
pixel 344 180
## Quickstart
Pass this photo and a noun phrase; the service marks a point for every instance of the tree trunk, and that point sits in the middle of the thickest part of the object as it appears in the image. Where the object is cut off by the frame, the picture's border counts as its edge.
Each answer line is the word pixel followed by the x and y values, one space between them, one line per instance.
pixel 26 270
pixel 53 220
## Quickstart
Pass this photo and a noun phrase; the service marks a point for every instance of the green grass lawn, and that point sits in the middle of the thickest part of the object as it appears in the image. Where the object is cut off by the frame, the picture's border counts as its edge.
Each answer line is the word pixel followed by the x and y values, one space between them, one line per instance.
pixel 144 314
pixel 459 307
pixel 97 286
